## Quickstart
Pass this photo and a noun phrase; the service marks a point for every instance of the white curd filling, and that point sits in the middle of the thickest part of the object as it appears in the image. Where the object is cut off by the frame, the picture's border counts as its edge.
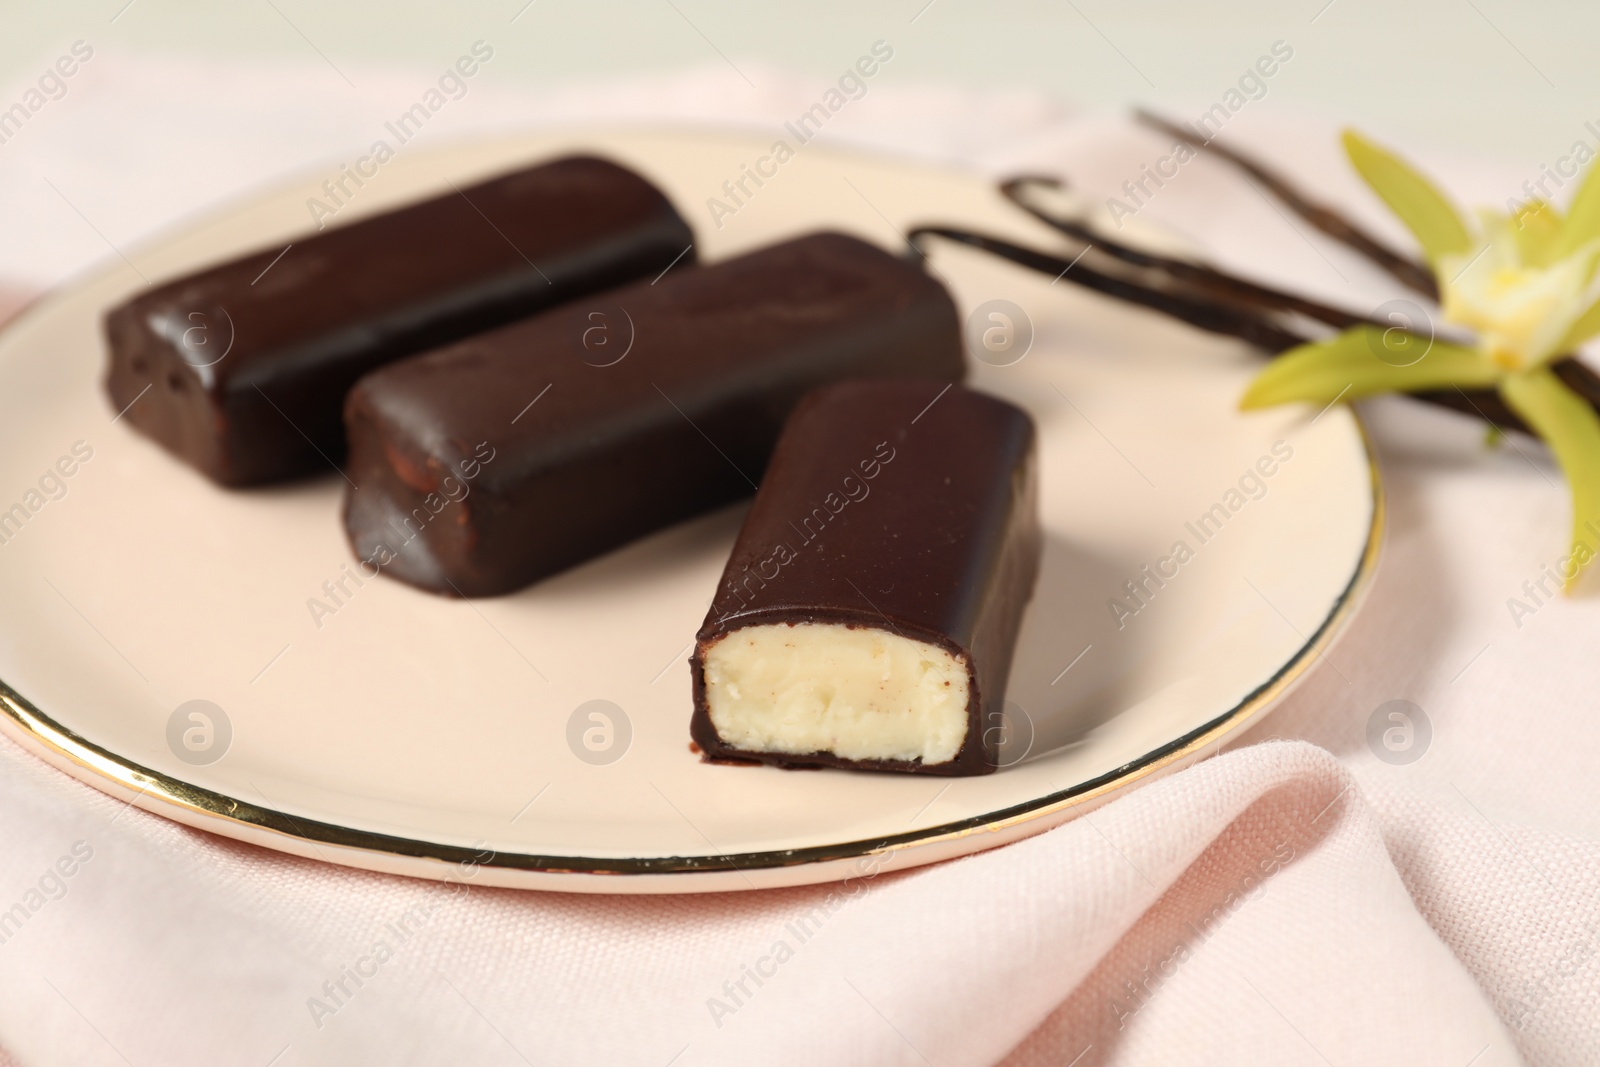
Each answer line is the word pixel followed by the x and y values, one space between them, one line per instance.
pixel 857 692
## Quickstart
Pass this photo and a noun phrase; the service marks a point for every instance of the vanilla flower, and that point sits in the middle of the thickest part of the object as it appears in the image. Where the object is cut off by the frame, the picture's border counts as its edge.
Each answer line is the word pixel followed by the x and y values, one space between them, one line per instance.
pixel 1525 284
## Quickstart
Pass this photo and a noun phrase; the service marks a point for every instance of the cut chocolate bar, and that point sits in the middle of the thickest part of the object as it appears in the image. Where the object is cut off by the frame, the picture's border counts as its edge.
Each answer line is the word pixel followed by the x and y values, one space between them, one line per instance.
pixel 494 462
pixel 246 364
pixel 868 614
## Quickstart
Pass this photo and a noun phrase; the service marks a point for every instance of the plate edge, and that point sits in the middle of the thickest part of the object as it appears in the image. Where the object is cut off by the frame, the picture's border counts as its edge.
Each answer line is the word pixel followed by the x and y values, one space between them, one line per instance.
pixel 243 820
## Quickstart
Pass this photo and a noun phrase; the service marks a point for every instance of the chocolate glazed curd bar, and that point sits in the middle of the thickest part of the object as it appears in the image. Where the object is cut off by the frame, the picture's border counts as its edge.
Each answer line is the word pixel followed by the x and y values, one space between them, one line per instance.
pixel 241 370
pixel 869 612
pixel 502 459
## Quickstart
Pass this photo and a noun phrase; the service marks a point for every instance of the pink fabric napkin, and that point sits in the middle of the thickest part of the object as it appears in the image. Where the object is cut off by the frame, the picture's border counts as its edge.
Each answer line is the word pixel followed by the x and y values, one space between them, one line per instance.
pixel 1295 900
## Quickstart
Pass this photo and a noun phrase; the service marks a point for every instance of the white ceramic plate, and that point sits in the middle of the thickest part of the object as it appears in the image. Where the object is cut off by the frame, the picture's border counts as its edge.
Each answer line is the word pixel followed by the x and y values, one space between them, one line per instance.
pixel 412 734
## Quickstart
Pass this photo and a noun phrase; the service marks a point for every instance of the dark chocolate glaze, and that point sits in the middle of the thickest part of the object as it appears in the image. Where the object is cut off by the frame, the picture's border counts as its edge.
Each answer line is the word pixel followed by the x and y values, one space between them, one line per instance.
pixel 298 331
pixel 892 506
pixel 515 454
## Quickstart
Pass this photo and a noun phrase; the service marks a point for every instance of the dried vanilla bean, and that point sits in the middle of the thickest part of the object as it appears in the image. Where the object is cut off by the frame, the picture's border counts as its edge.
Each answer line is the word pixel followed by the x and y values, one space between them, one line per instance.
pixel 1251 326
pixel 1219 282
pixel 1408 271
pixel 1196 309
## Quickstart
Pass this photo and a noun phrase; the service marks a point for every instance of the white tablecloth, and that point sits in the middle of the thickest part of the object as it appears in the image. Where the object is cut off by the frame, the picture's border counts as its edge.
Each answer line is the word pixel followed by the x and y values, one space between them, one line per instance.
pixel 1296 900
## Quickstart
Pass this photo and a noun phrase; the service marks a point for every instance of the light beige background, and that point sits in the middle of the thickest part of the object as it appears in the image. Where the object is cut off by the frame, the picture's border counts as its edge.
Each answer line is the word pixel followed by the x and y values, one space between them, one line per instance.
pixel 1508 76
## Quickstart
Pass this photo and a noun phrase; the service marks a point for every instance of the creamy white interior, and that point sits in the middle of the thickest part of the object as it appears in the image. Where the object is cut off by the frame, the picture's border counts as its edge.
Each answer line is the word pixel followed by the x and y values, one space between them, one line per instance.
pixel 857 692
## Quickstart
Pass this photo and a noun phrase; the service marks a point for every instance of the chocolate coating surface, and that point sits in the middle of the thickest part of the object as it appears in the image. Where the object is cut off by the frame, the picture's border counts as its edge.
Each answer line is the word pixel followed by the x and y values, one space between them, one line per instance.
pixel 507 457
pixel 241 370
pixel 890 505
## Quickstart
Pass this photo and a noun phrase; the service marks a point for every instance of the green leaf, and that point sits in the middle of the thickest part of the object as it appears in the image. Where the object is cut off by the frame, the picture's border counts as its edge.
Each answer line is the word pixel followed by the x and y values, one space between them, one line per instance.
pixel 1364 361
pixel 1587 326
pixel 1431 217
pixel 1583 215
pixel 1571 429
pixel 1538 231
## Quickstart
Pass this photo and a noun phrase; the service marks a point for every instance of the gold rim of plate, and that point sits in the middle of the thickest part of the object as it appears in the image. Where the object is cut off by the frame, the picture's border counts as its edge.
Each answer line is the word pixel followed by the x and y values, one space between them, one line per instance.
pixel 243 820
